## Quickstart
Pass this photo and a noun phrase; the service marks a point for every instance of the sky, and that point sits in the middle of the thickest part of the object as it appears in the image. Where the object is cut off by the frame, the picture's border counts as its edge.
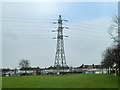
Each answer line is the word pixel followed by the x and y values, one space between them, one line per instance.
pixel 27 32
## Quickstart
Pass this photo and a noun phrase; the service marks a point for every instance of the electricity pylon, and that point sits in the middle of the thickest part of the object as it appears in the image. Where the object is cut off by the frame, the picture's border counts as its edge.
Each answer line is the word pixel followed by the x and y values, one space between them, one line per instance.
pixel 60 60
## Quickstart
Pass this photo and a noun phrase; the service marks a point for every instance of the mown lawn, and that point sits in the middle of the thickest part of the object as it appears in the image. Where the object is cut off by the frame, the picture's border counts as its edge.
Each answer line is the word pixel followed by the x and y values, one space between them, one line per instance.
pixel 61 81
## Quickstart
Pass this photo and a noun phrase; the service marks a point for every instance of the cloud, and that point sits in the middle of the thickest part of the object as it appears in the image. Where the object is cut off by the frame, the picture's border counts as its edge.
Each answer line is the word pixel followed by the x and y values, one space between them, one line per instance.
pixel 33 26
pixel 95 28
pixel 87 40
pixel 60 0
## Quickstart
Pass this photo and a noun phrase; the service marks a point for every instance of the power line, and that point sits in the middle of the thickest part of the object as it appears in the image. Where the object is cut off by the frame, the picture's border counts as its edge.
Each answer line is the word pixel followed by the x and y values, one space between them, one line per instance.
pixel 80 23
pixel 88 24
pixel 26 26
pixel 81 28
pixel 26 18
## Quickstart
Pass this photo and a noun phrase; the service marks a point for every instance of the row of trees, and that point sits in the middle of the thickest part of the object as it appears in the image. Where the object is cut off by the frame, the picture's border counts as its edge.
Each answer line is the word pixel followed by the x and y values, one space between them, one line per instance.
pixel 111 56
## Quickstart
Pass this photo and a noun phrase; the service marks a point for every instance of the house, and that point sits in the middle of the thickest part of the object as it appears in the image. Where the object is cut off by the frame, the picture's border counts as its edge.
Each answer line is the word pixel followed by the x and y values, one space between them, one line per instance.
pixel 6 72
pixel 86 69
pixel 30 71
pixel 19 72
pixel 89 69
pixel 10 72
pixel 54 70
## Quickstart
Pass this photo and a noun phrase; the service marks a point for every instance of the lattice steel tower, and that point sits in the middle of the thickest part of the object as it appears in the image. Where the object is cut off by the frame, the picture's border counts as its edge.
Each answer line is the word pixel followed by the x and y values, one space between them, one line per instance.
pixel 60 60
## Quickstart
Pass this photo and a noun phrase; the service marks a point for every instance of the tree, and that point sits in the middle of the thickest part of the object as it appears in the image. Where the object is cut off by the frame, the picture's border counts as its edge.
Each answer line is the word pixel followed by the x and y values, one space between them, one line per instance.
pixel 111 56
pixel 116 54
pixel 107 61
pixel 114 29
pixel 24 64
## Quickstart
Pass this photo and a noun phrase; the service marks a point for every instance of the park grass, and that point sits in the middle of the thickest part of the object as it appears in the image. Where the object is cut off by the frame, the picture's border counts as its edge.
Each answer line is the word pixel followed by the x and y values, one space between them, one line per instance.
pixel 61 81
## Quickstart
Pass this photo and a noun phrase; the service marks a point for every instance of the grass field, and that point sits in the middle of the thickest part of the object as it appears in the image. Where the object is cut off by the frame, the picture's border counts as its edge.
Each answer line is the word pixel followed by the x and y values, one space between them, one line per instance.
pixel 61 81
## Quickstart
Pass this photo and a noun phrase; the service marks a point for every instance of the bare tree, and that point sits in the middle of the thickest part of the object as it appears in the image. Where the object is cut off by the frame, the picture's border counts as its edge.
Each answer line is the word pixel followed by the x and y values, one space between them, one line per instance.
pixel 116 20
pixel 107 61
pixel 111 56
pixel 24 64
pixel 113 30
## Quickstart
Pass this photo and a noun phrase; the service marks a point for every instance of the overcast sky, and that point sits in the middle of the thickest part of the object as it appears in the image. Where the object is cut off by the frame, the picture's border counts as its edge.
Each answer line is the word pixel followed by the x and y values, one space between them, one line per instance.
pixel 27 31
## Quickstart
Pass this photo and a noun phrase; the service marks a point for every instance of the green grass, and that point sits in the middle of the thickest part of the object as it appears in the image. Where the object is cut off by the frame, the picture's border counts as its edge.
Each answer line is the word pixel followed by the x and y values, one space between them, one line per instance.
pixel 61 81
